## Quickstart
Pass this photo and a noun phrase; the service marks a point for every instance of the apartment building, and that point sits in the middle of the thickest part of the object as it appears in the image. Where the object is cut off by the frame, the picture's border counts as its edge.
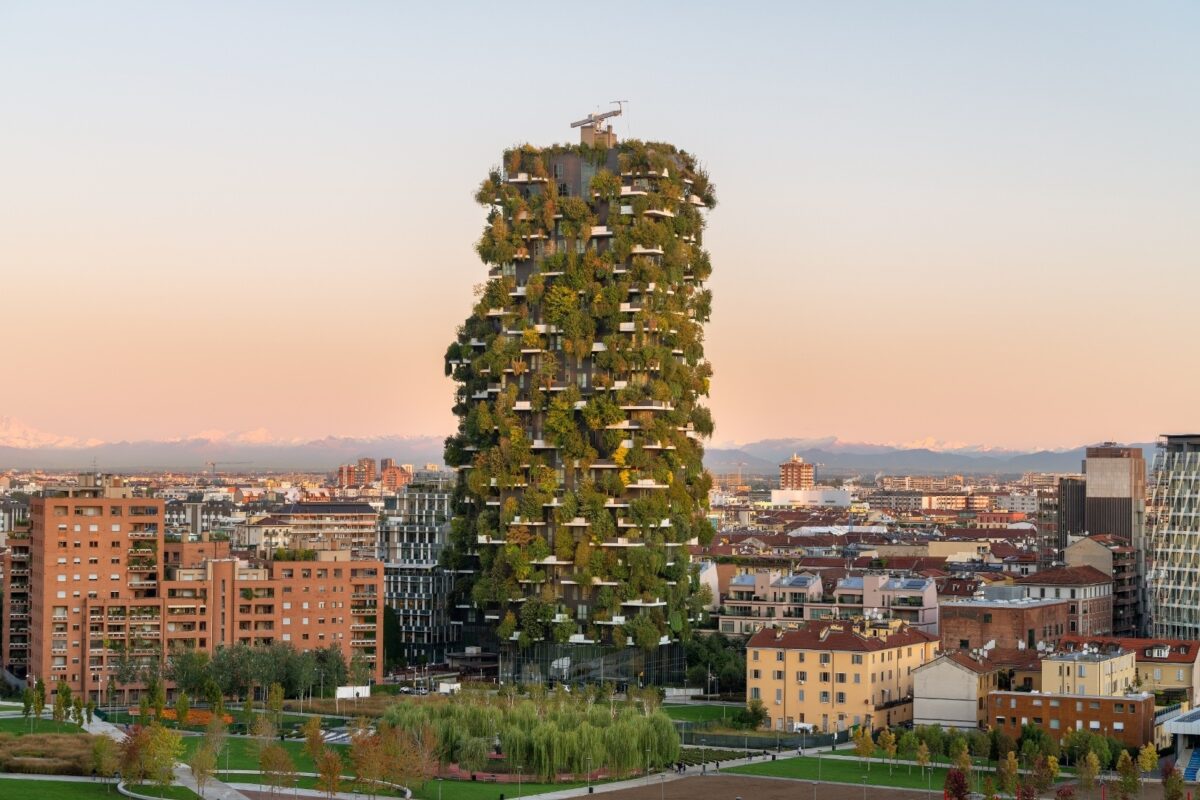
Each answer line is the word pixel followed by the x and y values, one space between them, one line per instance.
pixel 1006 623
pixel 1088 591
pixel 836 674
pixel 1173 542
pixel 413 531
pixel 1129 718
pixel 952 691
pixel 1167 667
pixel 331 526
pixel 796 473
pixel 1116 559
pixel 104 582
pixel 773 597
pixel 1107 671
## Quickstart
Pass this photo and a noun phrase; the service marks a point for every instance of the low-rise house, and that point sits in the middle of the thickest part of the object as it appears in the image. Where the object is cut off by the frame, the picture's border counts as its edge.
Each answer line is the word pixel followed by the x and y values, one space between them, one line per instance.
pixel 952 691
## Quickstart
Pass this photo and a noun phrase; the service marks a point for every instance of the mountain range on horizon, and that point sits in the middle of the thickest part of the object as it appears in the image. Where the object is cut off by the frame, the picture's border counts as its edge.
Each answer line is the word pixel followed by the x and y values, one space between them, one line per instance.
pixel 25 448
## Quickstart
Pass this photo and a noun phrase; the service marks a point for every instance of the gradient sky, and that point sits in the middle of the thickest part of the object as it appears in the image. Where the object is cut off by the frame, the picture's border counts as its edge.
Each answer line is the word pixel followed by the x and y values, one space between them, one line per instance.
pixel 963 222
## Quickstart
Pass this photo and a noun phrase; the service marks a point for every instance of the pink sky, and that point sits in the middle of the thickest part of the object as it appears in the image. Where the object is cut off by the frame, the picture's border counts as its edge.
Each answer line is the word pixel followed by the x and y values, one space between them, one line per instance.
pixel 262 221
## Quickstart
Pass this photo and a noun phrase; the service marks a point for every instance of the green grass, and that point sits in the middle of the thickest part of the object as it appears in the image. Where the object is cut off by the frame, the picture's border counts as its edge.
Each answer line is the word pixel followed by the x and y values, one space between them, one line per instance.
pixel 172 792
pixel 19 725
pixel 698 713
pixel 451 790
pixel 842 771
pixel 240 751
pixel 57 790
pixel 466 790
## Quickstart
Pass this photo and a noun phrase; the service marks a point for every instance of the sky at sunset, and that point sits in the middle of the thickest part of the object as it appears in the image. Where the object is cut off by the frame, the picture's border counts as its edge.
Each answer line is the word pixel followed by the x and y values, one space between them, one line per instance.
pixel 937 222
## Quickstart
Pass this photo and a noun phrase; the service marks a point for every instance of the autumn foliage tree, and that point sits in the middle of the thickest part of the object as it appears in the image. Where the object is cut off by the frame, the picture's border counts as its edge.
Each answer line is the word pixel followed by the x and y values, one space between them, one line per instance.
pixel 956 787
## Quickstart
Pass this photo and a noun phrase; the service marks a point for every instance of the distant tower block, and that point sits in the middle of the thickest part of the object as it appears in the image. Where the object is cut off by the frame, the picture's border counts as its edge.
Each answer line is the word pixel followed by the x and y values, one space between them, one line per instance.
pixel 795 473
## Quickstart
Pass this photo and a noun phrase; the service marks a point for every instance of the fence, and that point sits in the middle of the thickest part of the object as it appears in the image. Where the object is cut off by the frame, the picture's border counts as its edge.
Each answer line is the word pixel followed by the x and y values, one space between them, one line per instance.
pixel 758 740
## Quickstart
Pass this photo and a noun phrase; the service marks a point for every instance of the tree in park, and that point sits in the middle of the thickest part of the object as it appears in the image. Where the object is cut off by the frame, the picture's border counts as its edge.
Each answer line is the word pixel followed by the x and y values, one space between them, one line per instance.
pixel 182 708
pixel 1026 791
pixel 62 701
pixel 907 746
pixel 275 703
pixel 203 764
pixel 215 735
pixel 106 757
pixel 864 745
pixel 886 741
pixel 329 772
pixel 276 765
pixel 980 744
pixel 1045 772
pixel 1087 770
pixel 133 754
pixel 144 710
pixel 163 749
pixel 956 787
pixel 39 698
pixel 923 756
pixel 1065 792
pixel 90 711
pixel 962 758
pixel 1007 773
pixel 27 703
pixel 1147 759
pixel 1129 780
pixel 1172 782
pixel 367 757
pixel 77 711
pixel 314 737
pixel 264 733
pixel 988 790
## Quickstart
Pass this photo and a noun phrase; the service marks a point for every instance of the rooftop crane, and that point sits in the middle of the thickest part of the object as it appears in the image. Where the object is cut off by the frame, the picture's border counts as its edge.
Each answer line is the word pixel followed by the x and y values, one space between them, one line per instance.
pixel 592 133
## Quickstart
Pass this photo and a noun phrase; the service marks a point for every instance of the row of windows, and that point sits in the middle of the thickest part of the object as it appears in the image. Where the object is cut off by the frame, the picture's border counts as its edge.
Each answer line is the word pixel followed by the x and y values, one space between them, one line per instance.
pixel 855 658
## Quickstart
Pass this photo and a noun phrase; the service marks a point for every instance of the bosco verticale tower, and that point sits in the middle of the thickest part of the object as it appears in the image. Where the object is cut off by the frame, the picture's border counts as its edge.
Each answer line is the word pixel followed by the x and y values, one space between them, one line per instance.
pixel 579 378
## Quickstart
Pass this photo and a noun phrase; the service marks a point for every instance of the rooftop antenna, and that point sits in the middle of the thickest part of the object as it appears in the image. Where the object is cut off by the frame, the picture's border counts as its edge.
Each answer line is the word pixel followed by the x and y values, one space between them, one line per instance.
pixel 621 110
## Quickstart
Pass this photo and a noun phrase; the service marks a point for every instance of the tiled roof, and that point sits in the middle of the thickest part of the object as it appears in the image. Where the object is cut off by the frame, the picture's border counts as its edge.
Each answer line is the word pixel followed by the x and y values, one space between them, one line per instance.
pixel 1178 651
pixel 1065 576
pixel 833 635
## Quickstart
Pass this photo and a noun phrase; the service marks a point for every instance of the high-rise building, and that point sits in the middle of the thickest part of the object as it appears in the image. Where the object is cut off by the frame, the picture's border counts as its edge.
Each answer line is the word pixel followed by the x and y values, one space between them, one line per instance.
pixel 413 531
pixel 1173 560
pixel 1072 503
pixel 1116 492
pixel 795 473
pixel 579 376
pixel 364 472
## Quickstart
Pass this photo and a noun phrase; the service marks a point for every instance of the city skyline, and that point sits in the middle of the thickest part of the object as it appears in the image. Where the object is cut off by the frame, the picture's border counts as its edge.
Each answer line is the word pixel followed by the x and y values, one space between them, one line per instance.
pixel 932 225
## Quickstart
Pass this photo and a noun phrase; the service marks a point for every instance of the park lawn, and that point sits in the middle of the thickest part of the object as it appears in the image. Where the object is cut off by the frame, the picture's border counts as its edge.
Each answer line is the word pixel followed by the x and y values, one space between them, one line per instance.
pixel 451 790
pixel 302 781
pixel 469 790
pixel 698 713
pixel 170 792
pixel 842 771
pixel 241 753
pixel 57 790
pixel 20 725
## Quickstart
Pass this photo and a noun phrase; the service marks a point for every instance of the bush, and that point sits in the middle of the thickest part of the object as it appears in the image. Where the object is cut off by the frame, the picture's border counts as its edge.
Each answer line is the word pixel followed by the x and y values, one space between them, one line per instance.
pixel 48 753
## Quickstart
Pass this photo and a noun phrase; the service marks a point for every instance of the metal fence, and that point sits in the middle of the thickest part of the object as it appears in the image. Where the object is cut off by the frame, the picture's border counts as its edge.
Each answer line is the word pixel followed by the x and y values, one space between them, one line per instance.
pixel 758 740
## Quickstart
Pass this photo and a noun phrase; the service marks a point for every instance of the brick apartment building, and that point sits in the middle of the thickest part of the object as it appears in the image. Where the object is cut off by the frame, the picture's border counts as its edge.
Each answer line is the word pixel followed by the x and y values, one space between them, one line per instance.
pixel 1117 560
pixel 796 473
pixel 973 624
pixel 104 577
pixel 1129 718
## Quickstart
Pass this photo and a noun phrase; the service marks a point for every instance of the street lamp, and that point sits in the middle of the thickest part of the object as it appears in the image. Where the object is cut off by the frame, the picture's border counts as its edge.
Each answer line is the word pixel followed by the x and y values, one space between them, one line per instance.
pixel 864 787
pixel 589 774
pixel 439 787
pixel 519 768
pixel 647 765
